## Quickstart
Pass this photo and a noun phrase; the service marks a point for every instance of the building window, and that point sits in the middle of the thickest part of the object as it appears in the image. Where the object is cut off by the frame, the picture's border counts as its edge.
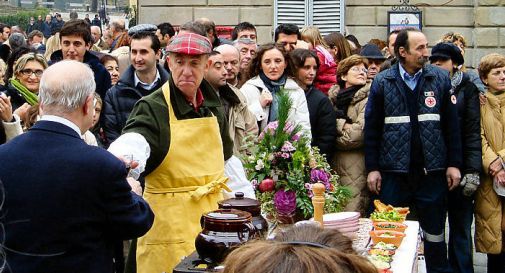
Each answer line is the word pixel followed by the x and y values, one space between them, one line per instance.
pixel 327 15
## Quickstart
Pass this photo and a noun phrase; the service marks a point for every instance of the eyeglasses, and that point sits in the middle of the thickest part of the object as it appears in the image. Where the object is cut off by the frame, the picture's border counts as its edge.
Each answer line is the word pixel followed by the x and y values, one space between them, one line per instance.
pixel 358 70
pixel 29 72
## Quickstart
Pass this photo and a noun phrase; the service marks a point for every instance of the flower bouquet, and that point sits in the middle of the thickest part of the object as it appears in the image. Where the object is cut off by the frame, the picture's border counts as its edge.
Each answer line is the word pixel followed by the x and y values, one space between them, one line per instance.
pixel 283 167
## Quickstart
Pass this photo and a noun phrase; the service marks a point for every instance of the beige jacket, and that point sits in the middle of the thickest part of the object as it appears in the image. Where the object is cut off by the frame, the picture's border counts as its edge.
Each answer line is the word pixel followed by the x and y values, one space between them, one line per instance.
pixel 489 212
pixel 242 123
pixel 12 129
pixel 349 158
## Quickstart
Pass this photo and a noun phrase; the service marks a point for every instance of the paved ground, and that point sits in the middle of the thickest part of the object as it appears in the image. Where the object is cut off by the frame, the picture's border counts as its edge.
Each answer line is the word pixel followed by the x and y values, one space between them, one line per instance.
pixel 479 259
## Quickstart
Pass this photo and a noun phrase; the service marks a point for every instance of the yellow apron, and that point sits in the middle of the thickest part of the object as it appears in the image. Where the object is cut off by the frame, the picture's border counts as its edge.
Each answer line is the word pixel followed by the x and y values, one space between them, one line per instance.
pixel 187 184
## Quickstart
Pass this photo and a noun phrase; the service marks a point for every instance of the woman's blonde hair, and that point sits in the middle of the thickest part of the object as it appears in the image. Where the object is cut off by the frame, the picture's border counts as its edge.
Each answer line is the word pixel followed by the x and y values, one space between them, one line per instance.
pixel 452 37
pixel 489 62
pixel 312 36
pixel 23 60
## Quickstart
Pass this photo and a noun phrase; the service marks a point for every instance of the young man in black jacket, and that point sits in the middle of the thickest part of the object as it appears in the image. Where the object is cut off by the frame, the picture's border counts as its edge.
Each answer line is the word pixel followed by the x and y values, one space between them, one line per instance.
pixel 75 39
pixel 140 79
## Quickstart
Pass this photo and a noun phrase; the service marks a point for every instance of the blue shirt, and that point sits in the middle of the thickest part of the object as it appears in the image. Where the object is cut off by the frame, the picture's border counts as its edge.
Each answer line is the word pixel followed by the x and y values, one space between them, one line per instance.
pixel 411 81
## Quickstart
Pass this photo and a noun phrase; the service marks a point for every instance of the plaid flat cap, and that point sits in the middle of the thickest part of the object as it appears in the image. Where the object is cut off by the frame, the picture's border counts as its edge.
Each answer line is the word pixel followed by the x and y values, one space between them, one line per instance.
pixel 190 44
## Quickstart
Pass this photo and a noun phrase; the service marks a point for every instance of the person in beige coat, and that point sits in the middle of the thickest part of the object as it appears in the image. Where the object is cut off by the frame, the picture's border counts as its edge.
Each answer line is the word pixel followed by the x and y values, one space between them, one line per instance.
pixel 349 98
pixel 242 123
pixel 489 206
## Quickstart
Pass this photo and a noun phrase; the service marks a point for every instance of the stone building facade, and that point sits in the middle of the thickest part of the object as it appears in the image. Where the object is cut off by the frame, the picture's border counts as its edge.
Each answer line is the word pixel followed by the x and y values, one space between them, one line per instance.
pixel 482 22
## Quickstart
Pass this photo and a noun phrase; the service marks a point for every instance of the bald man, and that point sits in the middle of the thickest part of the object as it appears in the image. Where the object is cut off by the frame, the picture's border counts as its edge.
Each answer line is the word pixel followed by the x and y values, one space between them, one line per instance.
pixel 231 62
pixel 75 212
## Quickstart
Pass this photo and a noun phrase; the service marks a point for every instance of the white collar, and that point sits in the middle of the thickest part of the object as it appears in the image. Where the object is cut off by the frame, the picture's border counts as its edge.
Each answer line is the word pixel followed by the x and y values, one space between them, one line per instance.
pixel 146 86
pixel 63 121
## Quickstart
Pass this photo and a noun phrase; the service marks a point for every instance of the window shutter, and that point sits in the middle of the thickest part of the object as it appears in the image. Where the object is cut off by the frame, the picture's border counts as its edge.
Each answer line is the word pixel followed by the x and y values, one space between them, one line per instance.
pixel 326 15
pixel 291 12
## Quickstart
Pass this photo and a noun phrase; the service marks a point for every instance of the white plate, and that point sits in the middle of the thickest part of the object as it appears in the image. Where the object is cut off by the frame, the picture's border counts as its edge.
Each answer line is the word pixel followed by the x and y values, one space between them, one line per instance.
pixel 341 216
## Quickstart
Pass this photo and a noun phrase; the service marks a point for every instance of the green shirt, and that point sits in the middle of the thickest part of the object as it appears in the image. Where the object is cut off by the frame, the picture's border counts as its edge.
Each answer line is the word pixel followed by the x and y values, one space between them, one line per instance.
pixel 150 119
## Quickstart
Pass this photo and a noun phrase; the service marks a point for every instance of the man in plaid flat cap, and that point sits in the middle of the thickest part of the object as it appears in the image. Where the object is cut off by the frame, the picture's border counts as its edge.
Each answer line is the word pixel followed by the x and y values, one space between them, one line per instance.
pixel 184 124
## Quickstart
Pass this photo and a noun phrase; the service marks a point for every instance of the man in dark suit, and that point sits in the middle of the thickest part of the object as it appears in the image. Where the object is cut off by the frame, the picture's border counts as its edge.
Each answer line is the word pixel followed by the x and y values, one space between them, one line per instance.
pixel 66 202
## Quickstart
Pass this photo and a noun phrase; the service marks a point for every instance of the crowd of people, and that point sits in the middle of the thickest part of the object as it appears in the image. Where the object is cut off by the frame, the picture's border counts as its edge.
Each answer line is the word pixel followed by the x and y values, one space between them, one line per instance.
pixel 395 122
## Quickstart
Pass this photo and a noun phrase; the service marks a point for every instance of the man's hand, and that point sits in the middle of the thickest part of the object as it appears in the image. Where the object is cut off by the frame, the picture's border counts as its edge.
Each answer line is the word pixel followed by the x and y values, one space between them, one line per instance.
pixel 453 177
pixel 135 185
pixel 495 166
pixel 374 181
pixel 265 98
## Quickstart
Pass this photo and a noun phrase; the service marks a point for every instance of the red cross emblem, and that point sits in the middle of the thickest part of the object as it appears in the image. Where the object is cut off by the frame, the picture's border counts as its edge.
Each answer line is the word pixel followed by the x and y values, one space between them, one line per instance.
pixel 430 102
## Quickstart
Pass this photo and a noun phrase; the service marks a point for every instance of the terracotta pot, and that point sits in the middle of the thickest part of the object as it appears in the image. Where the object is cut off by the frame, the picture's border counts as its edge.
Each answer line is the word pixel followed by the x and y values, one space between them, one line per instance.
pixel 250 205
pixel 223 230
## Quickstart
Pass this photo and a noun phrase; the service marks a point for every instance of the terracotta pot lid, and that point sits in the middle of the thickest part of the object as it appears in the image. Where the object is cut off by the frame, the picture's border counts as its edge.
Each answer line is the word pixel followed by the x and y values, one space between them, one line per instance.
pixel 242 203
pixel 227 215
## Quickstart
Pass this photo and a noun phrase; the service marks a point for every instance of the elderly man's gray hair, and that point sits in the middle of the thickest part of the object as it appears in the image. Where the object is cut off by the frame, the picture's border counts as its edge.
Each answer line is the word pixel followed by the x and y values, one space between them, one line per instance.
pixel 17 40
pixel 65 86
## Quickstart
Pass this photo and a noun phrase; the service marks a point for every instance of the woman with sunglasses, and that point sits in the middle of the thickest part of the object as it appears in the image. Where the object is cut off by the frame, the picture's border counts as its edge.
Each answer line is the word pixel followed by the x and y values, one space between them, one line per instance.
pixel 24 85
pixel 349 98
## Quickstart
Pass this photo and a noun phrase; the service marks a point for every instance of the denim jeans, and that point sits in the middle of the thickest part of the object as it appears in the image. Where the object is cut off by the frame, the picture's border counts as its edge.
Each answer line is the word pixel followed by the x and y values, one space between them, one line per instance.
pixel 426 195
pixel 460 213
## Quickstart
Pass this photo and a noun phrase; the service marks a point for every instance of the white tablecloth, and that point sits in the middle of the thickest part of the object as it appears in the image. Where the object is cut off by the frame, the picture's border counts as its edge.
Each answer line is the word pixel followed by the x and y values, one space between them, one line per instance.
pixel 405 258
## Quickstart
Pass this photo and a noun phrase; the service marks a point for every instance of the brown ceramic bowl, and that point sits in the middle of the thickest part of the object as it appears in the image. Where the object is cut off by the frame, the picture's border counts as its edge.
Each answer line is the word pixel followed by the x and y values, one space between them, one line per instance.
pixel 395 226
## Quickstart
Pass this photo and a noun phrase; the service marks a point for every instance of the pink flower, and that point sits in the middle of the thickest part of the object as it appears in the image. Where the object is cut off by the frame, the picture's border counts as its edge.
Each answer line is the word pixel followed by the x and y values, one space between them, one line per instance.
pixel 288 147
pixel 289 127
pixel 285 155
pixel 308 186
pixel 296 137
pixel 271 127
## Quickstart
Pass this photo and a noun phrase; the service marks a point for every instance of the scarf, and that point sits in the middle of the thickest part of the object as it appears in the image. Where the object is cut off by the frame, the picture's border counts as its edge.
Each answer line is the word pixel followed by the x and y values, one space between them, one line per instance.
pixel 28 95
pixel 343 100
pixel 274 87
pixel 456 79
pixel 328 59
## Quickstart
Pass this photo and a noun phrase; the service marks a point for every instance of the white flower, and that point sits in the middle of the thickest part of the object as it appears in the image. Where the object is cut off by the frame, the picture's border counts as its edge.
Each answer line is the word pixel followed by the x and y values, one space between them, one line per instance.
pixel 259 165
pixel 271 157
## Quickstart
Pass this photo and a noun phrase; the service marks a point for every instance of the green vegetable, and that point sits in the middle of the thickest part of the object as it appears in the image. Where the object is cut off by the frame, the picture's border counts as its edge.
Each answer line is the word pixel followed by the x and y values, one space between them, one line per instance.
pixel 392 216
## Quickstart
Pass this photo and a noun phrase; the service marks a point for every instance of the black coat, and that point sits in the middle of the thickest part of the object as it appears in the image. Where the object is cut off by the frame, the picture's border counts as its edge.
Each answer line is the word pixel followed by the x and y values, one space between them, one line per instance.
pixel 468 105
pixel 65 203
pixel 17 100
pixel 323 122
pixel 102 76
pixel 121 98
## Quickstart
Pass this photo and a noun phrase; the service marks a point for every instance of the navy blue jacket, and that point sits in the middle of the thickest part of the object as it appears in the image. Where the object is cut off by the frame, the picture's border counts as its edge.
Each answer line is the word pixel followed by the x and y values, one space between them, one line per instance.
pixel 121 98
pixel 102 76
pixel 400 135
pixel 65 203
